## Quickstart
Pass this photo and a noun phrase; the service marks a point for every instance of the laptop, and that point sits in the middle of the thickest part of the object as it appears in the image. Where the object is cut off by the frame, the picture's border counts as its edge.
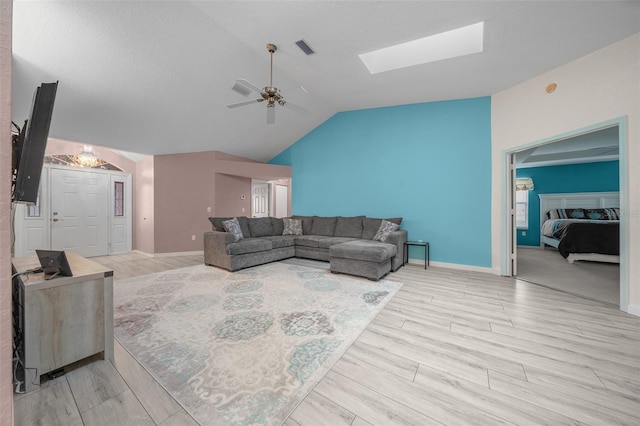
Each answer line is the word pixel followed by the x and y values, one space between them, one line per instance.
pixel 54 263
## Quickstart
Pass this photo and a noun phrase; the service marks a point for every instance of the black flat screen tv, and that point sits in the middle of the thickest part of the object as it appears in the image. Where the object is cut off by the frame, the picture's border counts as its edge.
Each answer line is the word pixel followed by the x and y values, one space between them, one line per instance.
pixel 30 144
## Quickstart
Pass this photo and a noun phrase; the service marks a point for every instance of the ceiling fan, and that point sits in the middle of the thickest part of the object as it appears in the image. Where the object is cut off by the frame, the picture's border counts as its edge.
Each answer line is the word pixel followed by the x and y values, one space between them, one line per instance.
pixel 270 93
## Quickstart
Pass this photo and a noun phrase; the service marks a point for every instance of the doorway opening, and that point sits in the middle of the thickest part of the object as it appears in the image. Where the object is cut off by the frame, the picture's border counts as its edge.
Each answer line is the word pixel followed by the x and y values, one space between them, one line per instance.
pixel 270 198
pixel 597 144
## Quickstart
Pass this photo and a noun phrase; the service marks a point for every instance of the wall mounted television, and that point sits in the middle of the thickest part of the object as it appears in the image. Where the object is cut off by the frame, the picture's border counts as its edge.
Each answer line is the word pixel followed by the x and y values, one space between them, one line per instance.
pixel 29 146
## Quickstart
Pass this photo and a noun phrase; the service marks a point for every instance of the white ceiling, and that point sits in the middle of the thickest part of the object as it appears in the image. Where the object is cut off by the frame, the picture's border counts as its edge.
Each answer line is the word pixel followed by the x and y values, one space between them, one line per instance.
pixel 599 145
pixel 154 77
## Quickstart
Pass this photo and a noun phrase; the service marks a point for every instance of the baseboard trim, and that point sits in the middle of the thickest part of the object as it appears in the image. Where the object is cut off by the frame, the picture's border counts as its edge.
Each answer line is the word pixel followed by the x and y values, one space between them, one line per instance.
pixel 178 253
pixel 633 310
pixel 144 253
pixel 457 266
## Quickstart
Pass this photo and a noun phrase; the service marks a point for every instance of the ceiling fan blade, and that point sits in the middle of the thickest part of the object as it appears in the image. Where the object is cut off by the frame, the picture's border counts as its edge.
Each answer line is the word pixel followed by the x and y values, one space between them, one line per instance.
pixel 271 115
pixel 247 84
pixel 296 108
pixel 297 90
pixel 239 104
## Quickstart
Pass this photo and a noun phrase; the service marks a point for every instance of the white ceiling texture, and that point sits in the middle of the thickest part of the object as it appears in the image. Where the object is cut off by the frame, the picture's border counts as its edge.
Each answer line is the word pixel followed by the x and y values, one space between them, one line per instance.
pixel 155 77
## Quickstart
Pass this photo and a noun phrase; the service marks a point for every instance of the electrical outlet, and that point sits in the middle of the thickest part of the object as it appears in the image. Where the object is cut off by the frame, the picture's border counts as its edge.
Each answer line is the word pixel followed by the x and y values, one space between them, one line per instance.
pixel 193 237
pixel 524 233
pixel 208 209
pixel 243 210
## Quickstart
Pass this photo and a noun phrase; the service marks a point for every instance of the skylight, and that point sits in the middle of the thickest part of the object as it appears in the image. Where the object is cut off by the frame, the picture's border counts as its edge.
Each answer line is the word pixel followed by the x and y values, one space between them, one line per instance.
pixel 450 44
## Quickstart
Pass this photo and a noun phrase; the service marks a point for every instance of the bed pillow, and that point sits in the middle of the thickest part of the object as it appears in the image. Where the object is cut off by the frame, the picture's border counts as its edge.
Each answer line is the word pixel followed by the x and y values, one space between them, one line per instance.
pixel 566 214
pixel 385 229
pixel 292 226
pixel 232 226
pixel 602 214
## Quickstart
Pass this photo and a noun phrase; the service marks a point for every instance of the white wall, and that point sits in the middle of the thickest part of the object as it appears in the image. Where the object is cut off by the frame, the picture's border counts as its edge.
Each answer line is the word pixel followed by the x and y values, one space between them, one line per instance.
pixel 602 86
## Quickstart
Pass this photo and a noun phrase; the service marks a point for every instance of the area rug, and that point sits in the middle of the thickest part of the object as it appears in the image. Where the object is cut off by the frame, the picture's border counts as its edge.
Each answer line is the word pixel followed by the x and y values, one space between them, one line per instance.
pixel 243 348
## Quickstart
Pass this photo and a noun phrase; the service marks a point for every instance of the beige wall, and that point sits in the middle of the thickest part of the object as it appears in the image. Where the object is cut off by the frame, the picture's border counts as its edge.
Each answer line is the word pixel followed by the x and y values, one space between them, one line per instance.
pixel 599 87
pixel 228 195
pixel 6 373
pixel 185 186
pixel 183 189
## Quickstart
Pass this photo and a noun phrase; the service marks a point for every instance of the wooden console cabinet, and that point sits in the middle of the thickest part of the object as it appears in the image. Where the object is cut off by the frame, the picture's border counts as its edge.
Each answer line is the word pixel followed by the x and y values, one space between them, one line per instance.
pixel 65 319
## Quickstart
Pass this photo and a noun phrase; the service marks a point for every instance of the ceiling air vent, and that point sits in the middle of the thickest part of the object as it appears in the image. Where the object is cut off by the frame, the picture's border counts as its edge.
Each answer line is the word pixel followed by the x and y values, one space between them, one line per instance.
pixel 305 47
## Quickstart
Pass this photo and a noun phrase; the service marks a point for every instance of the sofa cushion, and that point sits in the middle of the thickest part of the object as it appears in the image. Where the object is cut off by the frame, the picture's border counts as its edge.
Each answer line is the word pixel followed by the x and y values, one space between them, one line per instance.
pixel 260 227
pixel 277 225
pixel 292 226
pixel 217 223
pixel 309 240
pixel 368 251
pixel 232 226
pixel 385 229
pixel 370 226
pixel 249 245
pixel 307 222
pixel 350 227
pixel 327 242
pixel 278 241
pixel 324 226
pixel 244 225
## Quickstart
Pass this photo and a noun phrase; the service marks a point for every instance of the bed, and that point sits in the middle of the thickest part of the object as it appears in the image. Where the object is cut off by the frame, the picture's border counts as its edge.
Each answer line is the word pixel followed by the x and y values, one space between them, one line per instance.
pixel 582 226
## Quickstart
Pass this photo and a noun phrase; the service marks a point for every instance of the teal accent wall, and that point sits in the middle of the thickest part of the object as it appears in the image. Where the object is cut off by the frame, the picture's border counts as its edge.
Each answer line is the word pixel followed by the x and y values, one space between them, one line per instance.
pixel 429 163
pixel 589 177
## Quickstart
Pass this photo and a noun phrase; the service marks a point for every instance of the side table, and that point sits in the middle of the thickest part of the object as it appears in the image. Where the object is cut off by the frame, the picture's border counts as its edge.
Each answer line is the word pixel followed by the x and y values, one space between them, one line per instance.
pixel 419 244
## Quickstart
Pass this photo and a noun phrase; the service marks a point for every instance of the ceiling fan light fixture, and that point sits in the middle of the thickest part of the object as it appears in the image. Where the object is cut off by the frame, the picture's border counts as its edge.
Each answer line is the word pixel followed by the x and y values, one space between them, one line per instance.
pixel 269 93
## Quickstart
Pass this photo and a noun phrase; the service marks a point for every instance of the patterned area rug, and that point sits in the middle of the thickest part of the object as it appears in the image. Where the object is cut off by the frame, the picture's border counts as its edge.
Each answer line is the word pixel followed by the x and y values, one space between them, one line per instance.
pixel 243 348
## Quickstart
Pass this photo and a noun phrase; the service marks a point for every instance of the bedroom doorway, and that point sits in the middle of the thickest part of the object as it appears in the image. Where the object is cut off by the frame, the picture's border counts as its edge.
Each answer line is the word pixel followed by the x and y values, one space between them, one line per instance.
pixel 602 143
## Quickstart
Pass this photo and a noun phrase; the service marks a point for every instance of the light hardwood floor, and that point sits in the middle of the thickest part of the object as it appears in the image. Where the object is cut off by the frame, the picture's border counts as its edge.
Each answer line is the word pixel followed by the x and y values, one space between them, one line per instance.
pixel 452 347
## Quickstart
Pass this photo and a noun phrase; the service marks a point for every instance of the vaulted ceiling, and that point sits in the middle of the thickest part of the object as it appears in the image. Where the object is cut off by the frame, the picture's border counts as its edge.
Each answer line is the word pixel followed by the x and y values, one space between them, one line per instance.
pixel 155 77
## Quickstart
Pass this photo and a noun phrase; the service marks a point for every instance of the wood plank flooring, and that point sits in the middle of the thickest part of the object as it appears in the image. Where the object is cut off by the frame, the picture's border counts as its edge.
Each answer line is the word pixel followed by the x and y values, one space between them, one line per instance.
pixel 452 347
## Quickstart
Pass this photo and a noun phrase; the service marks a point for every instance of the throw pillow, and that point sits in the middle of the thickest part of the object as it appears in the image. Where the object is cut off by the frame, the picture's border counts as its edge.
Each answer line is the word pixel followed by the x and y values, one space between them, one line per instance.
pixel 292 226
pixel 232 226
pixel 385 229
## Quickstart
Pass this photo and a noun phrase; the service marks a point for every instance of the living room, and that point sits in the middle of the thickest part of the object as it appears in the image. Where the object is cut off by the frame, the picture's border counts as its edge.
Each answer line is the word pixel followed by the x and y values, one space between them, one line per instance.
pixel 439 162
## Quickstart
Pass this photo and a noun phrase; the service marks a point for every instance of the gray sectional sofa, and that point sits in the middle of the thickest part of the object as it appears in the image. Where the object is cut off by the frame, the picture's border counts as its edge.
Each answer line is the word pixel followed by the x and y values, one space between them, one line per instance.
pixel 345 242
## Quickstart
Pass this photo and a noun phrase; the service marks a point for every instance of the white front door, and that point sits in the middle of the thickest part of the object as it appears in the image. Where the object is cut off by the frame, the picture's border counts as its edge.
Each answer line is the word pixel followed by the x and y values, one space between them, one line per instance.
pixel 80 212
pixel 259 199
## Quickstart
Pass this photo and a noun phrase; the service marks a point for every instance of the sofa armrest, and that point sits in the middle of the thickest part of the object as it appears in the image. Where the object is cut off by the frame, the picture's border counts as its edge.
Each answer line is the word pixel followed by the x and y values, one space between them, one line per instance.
pixel 215 248
pixel 397 238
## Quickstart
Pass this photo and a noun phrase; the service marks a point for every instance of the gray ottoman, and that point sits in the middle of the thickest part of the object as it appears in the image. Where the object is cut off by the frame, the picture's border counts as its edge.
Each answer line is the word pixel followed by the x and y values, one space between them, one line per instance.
pixel 369 259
